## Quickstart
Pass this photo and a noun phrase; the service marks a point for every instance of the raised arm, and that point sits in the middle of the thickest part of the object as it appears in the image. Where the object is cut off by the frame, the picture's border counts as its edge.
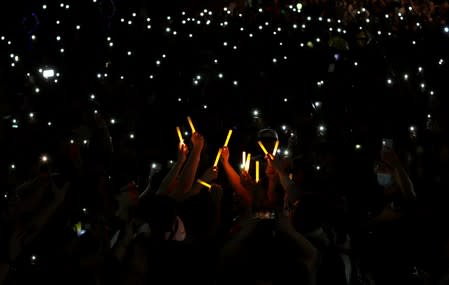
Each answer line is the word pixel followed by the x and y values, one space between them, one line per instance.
pixel 208 176
pixel 37 223
pixel 401 177
pixel 166 187
pixel 273 180
pixel 188 174
pixel 234 178
pixel 288 185
pixel 105 138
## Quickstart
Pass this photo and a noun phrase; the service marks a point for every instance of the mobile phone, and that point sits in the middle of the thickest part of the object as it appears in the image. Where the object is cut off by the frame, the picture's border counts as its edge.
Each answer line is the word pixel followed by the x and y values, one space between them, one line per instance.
pixel 155 168
pixel 387 144
pixel 80 229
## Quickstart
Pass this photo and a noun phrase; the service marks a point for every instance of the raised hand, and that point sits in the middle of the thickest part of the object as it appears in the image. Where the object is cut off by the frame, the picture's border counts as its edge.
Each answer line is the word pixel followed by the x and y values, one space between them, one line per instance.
pixel 197 141
pixel 224 155
pixel 183 151
pixel 210 174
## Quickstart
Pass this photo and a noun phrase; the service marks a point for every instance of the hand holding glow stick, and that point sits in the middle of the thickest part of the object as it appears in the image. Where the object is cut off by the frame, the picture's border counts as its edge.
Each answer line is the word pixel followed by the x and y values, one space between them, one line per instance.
pixel 228 138
pixel 265 150
pixel 178 130
pixel 218 157
pixel 191 124
pixel 205 184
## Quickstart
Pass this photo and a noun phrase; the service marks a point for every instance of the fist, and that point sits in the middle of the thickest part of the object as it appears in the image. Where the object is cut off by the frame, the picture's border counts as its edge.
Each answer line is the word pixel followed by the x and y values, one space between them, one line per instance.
pixel 210 174
pixel 183 151
pixel 197 140
pixel 224 155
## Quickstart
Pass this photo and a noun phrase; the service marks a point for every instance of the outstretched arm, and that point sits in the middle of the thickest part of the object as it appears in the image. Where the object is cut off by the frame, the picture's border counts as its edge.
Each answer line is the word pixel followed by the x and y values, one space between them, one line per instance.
pixel 288 185
pixel 188 174
pixel 208 176
pixel 166 186
pixel 234 178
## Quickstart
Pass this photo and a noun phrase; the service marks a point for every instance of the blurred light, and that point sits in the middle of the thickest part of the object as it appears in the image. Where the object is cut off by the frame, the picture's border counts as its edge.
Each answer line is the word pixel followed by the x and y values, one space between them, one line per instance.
pixel 44 158
pixel 112 121
pixel 357 146
pixel 48 73
pixel 131 136
pixel 12 166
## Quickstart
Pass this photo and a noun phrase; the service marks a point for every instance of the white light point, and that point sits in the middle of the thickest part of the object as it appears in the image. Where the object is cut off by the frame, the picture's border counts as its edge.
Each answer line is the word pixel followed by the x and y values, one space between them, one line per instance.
pixel 48 73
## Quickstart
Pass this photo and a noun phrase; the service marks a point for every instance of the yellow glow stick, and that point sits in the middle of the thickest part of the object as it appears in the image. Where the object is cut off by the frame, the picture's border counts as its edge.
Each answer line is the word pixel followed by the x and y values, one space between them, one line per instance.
pixel 276 145
pixel 218 157
pixel 247 162
pixel 228 138
pixel 262 147
pixel 243 159
pixel 257 171
pixel 191 124
pixel 265 150
pixel 178 130
pixel 205 184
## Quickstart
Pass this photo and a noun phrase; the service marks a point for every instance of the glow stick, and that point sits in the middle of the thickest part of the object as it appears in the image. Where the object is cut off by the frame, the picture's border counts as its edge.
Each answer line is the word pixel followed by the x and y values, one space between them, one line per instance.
pixel 257 171
pixel 218 157
pixel 191 124
pixel 205 184
pixel 265 150
pixel 247 162
pixel 178 130
pixel 228 138
pixel 243 159
pixel 276 145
